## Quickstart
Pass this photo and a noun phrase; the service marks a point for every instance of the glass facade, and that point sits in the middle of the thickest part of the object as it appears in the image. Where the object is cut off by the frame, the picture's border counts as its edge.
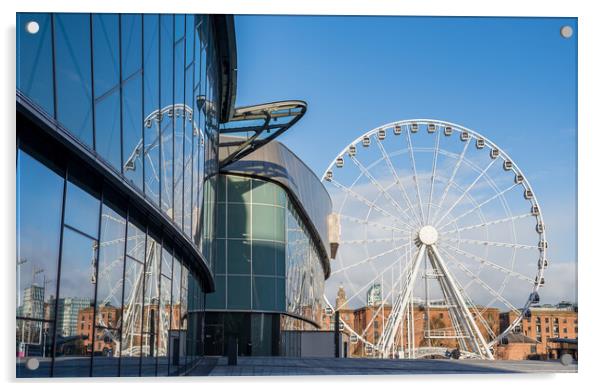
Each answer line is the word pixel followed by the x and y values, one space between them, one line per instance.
pixel 108 280
pixel 141 92
pixel 268 266
pixel 98 291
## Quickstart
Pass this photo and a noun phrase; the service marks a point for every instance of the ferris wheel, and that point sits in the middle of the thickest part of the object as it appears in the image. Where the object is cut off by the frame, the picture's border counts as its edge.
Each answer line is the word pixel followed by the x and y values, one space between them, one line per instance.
pixel 439 229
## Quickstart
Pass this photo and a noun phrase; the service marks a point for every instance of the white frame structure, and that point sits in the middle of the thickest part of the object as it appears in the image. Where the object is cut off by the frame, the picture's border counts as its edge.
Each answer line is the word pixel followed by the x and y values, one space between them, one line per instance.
pixel 431 239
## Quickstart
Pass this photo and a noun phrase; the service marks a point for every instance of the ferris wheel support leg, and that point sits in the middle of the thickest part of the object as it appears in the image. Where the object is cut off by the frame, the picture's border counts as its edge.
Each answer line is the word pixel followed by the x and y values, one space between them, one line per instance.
pixel 397 314
pixel 473 329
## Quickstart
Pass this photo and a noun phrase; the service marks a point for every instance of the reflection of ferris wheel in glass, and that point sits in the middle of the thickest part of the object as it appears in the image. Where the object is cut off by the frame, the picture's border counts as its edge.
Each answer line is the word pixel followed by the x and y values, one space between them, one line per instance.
pixel 445 227
pixel 134 317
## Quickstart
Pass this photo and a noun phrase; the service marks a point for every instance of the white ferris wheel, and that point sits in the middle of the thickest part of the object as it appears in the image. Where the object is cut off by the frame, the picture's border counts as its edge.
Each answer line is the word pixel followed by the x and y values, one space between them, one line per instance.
pixel 434 218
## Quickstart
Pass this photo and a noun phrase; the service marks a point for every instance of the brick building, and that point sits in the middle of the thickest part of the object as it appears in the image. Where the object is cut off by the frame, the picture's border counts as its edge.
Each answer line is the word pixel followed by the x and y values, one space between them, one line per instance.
pixel 432 326
pixel 545 323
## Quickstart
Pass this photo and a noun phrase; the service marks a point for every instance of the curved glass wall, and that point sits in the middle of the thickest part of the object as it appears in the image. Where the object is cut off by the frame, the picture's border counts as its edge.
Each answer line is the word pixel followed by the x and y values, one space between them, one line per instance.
pixel 266 260
pixel 140 92
pixel 100 292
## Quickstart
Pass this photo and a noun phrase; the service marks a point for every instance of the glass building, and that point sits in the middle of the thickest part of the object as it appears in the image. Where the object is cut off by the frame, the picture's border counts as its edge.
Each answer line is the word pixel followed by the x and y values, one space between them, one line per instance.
pixel 141 190
pixel 117 160
pixel 271 242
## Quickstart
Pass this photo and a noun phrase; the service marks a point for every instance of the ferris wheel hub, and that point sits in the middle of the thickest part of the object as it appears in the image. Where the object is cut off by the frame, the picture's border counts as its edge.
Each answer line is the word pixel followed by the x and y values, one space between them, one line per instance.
pixel 428 235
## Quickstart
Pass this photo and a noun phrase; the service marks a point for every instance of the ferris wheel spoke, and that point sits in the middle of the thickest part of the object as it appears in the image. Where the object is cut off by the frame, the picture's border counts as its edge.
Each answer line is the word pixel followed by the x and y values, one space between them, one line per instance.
pixel 371 258
pixel 491 243
pixel 497 195
pixel 493 265
pixel 372 223
pixel 453 176
pixel 371 282
pixel 376 183
pixel 391 168
pixel 476 278
pixel 466 191
pixel 382 304
pixel 435 157
pixel 369 203
pixel 371 240
pixel 488 223
pixel 415 176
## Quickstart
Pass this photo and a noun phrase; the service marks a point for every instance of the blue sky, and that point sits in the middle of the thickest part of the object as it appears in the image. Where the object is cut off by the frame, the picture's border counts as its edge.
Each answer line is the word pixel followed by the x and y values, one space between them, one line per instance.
pixel 512 79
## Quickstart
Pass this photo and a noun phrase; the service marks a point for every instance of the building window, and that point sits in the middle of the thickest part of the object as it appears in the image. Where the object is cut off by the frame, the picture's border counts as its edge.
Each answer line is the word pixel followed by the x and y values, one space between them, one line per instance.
pixel 547 320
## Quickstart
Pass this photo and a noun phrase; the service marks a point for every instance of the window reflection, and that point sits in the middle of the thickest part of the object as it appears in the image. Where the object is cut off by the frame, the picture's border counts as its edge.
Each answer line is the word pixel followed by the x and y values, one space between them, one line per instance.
pixel 133 299
pixel 34 60
pixel 133 145
pixel 76 296
pixel 131 44
pixel 108 127
pixel 39 193
pixel 164 311
pixel 151 305
pixel 114 314
pixel 166 102
pixel 105 38
pixel 73 74
pixel 109 301
pixel 152 117
pixel 178 126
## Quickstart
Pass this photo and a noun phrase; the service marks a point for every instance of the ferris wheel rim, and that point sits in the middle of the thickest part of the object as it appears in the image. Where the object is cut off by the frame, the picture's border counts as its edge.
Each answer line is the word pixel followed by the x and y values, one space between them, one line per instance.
pixel 525 184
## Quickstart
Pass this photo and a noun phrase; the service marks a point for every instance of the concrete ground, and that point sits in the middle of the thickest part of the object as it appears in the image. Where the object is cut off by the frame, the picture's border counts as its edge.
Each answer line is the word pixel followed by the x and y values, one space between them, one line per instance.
pixel 289 366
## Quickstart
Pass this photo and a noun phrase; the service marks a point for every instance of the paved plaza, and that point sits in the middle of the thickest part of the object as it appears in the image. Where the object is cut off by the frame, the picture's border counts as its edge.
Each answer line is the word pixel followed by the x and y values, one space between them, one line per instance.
pixel 287 366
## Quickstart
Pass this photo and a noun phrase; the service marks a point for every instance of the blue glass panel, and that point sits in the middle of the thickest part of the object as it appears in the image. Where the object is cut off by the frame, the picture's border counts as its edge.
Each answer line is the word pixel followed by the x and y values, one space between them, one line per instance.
pixel 82 210
pixel 167 161
pixel 132 130
pixel 39 193
pixel 108 128
pixel 34 60
pixel 76 298
pixel 73 74
pixel 190 35
pixel 131 44
pixel 188 153
pixel 179 26
pixel 166 104
pixel 105 37
pixel 152 165
pixel 178 122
